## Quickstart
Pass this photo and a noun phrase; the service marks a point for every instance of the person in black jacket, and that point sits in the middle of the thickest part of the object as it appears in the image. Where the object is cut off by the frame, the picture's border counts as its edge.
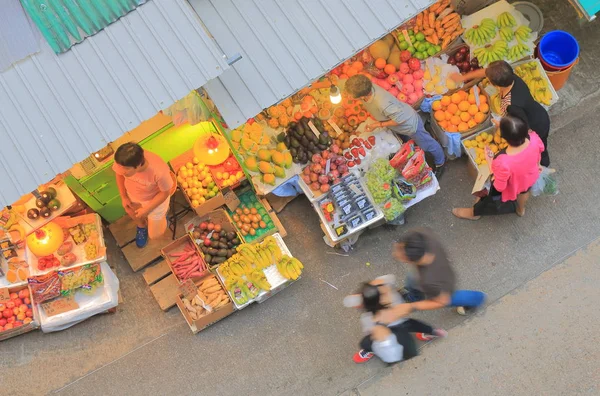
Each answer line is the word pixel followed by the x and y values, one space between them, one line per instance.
pixel 514 92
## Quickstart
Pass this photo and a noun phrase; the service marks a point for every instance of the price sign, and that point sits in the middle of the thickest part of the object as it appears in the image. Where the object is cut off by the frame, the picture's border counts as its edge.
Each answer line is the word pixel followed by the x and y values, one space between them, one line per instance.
pixel 406 36
pixel 4 295
pixel 336 128
pixel 314 128
pixel 231 200
pixel 327 166
pixel 60 305
pixel 476 93
pixel 188 289
pixel 355 189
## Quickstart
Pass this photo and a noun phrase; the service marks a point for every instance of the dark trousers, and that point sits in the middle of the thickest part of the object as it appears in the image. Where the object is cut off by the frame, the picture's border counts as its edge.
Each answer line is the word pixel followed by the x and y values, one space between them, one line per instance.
pixel 402 332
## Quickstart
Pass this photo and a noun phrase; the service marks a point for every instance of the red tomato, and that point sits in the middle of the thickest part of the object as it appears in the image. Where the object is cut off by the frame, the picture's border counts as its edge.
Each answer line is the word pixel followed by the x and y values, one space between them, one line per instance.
pixel 27 301
pixel 13 296
pixel 10 304
pixel 11 319
pixel 8 313
pixel 16 310
pixel 8 326
pixel 18 324
pixel 29 313
pixel 3 322
pixel 18 302
pixel 24 293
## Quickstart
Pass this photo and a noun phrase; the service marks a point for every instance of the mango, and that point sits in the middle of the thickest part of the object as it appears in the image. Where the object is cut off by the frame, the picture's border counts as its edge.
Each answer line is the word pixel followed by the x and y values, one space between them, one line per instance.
pixel 269 179
pixel 264 155
pixel 264 140
pixel 265 167
pixel 279 171
pixel 237 135
pixel 278 158
pixel 251 164
pixel 281 147
pixel 287 160
pixel 246 143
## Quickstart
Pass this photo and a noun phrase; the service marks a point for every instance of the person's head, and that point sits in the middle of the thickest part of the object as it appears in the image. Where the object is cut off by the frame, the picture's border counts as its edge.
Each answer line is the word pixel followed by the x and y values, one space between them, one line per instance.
pixel 131 157
pixel 514 130
pixel 359 87
pixel 500 74
pixel 371 296
pixel 412 248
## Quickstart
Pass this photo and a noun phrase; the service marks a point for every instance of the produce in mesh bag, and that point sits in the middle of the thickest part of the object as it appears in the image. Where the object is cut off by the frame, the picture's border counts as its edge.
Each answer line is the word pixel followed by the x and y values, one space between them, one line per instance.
pixel 382 168
pixel 380 190
pixel 392 209
pixel 425 179
pixel 401 158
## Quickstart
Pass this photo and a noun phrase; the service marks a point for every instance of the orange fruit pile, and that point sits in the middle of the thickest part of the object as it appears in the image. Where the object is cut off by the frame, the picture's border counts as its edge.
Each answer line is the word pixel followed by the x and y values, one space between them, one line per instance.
pixel 459 112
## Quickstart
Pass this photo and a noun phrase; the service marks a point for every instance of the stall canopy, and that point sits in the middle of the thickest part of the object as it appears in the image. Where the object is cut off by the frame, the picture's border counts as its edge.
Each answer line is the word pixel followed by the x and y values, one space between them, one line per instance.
pixel 286 44
pixel 57 109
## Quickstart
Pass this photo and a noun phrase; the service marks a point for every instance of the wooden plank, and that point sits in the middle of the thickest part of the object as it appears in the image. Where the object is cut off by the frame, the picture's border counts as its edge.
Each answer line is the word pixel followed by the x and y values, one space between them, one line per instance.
pixel 141 258
pixel 165 292
pixel 274 217
pixel 123 230
pixel 156 272
pixel 278 203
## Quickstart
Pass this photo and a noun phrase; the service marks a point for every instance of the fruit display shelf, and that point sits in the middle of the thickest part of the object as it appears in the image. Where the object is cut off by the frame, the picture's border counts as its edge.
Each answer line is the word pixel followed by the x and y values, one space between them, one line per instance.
pixel 275 279
pixel 543 76
pixel 77 249
pixel 248 200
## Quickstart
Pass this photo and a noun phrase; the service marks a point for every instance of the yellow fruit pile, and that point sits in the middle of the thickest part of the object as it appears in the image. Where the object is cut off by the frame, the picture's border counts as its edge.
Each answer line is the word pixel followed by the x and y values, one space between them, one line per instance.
pixel 249 138
pixel 434 84
pixel 536 81
pixel 195 179
pixel 478 143
pixel 459 112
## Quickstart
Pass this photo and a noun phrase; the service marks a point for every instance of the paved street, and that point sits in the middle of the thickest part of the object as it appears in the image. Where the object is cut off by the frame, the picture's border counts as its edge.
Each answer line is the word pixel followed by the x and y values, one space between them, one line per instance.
pixel 536 335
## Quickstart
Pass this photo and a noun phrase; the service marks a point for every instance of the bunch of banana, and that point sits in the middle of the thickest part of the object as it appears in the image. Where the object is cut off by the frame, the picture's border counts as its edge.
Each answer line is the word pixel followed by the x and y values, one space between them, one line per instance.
pixel 506 20
pixel 483 33
pixel 240 293
pixel 506 34
pixel 518 51
pixel 260 280
pixel 537 84
pixel 522 33
pixel 491 52
pixel 290 267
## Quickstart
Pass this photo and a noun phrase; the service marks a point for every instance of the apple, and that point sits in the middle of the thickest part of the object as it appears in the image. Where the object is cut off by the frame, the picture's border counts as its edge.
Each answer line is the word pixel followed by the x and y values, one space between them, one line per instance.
pixel 401 97
pixel 23 293
pixel 405 56
pixel 418 84
pixel 408 79
pixel 394 91
pixel 404 68
pixel 3 322
pixel 392 79
pixel 408 89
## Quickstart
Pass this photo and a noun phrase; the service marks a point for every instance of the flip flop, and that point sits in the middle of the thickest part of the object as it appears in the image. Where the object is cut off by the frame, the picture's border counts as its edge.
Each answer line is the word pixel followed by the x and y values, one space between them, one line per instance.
pixel 458 213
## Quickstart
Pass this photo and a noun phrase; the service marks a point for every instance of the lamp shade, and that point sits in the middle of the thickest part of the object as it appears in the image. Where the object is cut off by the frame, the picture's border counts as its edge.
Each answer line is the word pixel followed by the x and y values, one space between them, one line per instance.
pixel 46 240
pixel 211 149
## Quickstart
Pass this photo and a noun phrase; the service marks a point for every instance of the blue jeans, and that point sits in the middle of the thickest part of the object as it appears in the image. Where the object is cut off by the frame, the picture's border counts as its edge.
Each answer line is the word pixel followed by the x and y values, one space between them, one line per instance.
pixel 424 140
pixel 460 298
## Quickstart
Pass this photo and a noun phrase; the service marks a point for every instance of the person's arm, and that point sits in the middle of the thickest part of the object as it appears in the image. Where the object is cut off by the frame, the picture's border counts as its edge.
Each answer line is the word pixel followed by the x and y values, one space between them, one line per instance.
pixel 501 174
pixel 122 191
pixel 153 204
pixel 472 75
pixel 396 116
pixel 441 301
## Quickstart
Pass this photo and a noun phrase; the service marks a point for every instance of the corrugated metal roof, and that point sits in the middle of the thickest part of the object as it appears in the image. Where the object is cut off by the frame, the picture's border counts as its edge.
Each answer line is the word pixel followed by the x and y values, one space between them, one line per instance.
pixel 57 109
pixel 287 43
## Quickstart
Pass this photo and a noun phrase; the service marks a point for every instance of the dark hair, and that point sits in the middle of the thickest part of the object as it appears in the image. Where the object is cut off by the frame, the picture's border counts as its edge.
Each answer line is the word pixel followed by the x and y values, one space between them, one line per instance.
pixel 514 130
pixel 358 85
pixel 415 245
pixel 500 73
pixel 371 298
pixel 130 155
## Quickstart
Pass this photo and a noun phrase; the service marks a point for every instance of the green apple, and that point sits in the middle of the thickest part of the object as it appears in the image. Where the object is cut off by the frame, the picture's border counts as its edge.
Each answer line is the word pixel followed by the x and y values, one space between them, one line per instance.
pixel 403 45
pixel 411 50
pixel 431 51
pixel 420 36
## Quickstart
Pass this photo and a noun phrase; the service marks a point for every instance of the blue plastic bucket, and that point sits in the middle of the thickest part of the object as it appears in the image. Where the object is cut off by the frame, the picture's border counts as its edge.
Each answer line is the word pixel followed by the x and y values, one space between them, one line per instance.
pixel 558 49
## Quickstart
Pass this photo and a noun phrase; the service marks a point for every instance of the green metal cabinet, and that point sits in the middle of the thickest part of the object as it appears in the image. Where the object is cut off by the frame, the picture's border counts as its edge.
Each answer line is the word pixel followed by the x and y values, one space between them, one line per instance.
pixel 99 190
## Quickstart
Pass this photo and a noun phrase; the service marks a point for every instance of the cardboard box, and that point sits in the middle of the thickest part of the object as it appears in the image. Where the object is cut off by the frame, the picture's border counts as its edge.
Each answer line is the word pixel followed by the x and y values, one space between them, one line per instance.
pixel 210 204
pixel 6 334
pixel 479 172
pixel 177 246
pixel 207 320
pixel 218 216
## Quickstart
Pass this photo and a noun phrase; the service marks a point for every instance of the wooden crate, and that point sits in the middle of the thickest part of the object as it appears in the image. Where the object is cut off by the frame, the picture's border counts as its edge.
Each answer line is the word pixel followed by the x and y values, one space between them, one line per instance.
pixel 207 320
pixel 210 204
pixel 177 246
pixel 6 334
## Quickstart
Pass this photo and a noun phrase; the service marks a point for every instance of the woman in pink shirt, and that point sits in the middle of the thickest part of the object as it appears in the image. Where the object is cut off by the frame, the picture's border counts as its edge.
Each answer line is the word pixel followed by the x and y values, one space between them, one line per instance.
pixel 514 170
pixel 145 184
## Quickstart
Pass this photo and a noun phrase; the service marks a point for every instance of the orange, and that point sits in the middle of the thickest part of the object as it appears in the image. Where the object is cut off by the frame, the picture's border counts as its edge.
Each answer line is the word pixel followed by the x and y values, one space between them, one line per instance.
pixel 452 108
pixel 482 99
pixel 465 117
pixel 439 115
pixel 462 127
pixel 463 106
pixel 437 105
pixel 455 120
pixel 472 109
pixel 380 63
pixel 443 124
pixel 471 99
pixel 484 108
pixel 445 100
pixel 357 66
pixel 463 95
pixel 479 117
pixel 352 72
pixel 451 128
pixel 471 123
pixel 389 69
pixel 448 115
pixel 456 98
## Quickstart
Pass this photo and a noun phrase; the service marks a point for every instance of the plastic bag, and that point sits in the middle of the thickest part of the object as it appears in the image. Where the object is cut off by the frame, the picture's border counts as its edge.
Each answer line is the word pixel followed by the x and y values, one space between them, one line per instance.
pixel 427 102
pixel 392 209
pixel 546 184
pixel 401 158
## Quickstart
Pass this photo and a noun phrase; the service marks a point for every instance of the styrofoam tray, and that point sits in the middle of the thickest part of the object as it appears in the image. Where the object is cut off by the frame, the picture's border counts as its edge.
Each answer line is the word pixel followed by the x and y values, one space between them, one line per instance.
pixel 272 274
pixel 32 259
pixel 544 76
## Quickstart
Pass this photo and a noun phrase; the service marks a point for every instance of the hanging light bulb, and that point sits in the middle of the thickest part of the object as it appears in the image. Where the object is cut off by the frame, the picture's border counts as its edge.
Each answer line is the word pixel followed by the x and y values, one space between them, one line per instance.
pixel 335 95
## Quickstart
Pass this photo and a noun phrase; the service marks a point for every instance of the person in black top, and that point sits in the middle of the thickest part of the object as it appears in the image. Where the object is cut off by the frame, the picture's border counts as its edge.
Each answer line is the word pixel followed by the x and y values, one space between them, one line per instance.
pixel 514 92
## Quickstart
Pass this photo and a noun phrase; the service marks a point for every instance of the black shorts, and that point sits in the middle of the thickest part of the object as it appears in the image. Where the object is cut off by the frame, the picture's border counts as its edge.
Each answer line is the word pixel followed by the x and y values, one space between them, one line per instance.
pixel 492 204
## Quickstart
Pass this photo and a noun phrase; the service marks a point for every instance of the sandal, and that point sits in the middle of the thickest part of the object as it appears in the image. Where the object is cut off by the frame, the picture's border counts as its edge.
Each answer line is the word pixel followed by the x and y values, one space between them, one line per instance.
pixel 463 213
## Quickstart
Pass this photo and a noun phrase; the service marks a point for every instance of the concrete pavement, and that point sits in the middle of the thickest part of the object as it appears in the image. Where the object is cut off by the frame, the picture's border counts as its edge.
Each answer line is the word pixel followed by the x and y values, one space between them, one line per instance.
pixel 541 339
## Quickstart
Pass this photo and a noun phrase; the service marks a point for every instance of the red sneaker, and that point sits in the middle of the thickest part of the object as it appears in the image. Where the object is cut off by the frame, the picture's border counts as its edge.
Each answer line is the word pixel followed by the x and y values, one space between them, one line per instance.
pixel 362 356
pixel 437 333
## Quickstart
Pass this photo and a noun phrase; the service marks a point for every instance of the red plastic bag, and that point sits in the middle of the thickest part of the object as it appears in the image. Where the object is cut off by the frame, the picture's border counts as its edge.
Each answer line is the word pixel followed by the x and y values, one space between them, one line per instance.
pixel 417 170
pixel 401 158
